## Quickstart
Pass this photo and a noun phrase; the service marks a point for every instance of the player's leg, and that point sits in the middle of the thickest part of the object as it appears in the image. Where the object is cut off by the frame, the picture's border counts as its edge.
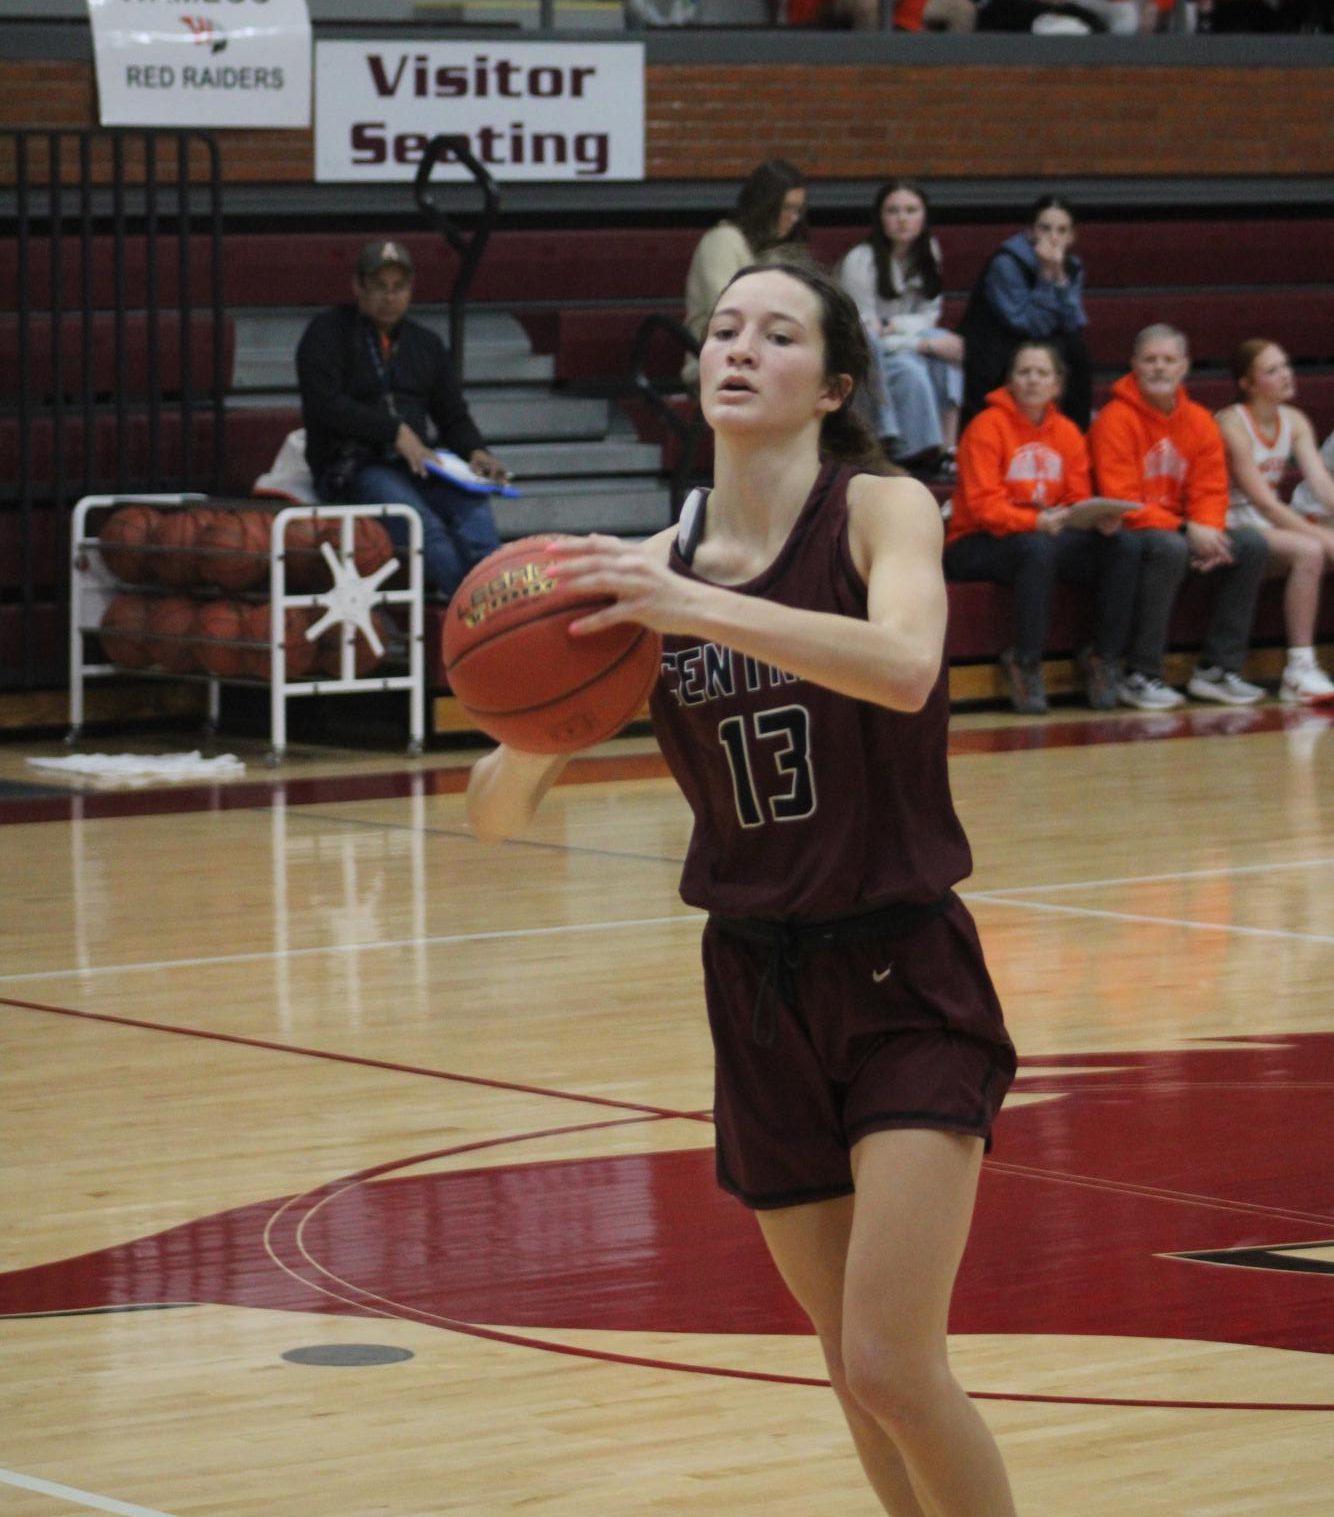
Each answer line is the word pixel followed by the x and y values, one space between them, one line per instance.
pixel 911 1216
pixel 1301 560
pixel 809 1245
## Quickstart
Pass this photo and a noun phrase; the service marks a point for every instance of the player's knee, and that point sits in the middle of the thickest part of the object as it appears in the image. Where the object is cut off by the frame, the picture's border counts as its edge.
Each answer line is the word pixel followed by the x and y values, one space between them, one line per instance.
pixel 898 1387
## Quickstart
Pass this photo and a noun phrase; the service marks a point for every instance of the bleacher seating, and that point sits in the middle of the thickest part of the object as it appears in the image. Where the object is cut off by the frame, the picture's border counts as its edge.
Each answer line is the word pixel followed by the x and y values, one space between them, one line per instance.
pixel 576 298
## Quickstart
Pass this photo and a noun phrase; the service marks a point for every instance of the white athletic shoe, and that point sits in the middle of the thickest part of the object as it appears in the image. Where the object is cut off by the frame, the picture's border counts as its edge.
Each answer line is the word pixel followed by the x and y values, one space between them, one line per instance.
pixel 1223 685
pixel 1309 686
pixel 1146 693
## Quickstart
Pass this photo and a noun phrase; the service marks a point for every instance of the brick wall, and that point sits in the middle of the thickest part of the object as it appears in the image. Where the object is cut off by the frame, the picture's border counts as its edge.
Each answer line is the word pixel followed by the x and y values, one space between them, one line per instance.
pixel 846 122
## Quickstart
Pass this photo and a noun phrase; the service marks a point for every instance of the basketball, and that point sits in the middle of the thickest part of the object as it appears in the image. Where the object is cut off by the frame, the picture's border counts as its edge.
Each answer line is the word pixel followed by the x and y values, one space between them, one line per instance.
pixel 222 622
pixel 307 572
pixel 515 668
pixel 365 658
pixel 122 531
pixel 125 614
pixel 170 620
pixel 230 547
pixel 299 652
pixel 175 530
pixel 371 543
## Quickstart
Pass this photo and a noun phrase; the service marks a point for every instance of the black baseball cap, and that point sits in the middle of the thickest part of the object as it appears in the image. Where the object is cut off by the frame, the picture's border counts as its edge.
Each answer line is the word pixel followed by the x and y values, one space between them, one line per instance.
pixel 383 254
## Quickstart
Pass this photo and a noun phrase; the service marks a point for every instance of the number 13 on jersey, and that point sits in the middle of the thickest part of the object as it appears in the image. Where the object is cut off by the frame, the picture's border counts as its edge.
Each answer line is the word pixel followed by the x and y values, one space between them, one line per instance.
pixel 773 750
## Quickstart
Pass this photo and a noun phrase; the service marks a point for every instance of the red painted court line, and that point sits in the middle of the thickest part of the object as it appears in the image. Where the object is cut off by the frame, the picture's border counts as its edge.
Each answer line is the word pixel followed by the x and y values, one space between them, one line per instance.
pixel 266 1046
pixel 397 784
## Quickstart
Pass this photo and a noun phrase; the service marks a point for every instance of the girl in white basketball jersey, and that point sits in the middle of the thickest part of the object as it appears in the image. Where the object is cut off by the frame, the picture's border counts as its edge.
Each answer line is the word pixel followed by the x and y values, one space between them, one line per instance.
pixel 1264 435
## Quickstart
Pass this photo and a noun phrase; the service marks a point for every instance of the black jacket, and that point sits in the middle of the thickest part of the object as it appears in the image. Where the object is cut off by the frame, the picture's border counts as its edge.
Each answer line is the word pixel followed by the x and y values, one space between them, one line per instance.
pixel 345 394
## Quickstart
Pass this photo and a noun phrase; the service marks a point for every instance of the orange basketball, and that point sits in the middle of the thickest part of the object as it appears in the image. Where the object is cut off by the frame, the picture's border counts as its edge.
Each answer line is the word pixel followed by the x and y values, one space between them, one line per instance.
pixel 230 550
pixel 129 526
pixel 175 530
pixel 371 544
pixel 307 573
pixel 365 659
pixel 169 621
pixel 221 622
pixel 125 614
pixel 518 672
pixel 300 652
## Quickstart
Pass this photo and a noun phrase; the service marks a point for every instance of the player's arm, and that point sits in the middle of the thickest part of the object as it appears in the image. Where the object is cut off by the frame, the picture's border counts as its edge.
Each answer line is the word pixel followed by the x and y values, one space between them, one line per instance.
pixel 891 659
pixel 1306 451
pixel 505 789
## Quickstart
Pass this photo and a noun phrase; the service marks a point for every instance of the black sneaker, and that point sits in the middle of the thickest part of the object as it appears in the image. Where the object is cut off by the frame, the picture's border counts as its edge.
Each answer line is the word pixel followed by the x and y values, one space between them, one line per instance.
pixel 1028 696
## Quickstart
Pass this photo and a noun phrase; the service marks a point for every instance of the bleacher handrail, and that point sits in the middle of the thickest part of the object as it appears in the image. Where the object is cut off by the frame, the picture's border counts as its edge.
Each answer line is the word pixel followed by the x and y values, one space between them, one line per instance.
pixel 469 246
pixel 687 430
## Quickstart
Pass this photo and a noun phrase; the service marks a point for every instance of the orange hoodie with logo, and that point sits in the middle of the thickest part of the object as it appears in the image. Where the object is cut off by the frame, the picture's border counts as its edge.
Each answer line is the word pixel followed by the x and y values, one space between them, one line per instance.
pixel 1010 469
pixel 1173 461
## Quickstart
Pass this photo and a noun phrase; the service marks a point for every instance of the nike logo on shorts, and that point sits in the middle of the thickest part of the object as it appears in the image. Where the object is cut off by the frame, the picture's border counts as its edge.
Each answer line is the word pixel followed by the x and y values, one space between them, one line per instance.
pixel 881 975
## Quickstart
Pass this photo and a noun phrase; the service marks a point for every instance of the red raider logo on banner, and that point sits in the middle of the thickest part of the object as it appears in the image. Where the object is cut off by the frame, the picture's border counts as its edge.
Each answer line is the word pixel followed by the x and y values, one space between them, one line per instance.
pixel 206 32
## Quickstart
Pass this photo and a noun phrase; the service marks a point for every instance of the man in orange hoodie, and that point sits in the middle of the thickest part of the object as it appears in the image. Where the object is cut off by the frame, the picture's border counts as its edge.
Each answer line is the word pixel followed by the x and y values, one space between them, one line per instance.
pixel 1153 444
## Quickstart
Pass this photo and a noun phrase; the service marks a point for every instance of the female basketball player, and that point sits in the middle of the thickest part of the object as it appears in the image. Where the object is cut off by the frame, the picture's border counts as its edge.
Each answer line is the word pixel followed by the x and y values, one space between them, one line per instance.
pixel 860 1050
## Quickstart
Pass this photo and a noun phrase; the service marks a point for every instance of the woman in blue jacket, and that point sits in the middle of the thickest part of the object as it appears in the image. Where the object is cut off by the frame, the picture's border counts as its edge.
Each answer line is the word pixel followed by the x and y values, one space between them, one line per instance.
pixel 1031 288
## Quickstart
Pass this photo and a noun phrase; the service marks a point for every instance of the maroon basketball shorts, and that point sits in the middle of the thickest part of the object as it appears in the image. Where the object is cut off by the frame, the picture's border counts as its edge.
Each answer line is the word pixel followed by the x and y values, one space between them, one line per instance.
pixel 826 1032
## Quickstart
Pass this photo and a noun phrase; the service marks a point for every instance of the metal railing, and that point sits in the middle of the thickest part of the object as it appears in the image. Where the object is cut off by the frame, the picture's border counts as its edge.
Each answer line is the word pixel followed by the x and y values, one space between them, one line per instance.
pixel 101 223
pixel 674 404
pixel 469 246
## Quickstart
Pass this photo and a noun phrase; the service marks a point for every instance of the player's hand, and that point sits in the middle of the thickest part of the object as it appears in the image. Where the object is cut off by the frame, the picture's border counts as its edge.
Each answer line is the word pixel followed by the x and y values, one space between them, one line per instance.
pixel 641 588
pixel 1053 519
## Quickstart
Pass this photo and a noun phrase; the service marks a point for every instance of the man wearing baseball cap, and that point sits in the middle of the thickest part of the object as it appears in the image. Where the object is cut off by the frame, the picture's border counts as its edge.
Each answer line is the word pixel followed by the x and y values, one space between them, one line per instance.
pixel 378 395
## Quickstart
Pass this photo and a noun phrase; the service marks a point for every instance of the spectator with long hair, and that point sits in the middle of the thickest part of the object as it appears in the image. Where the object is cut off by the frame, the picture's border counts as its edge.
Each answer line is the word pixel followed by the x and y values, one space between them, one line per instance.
pixel 769 219
pixel 1022 466
pixel 1032 287
pixel 1265 434
pixel 896 278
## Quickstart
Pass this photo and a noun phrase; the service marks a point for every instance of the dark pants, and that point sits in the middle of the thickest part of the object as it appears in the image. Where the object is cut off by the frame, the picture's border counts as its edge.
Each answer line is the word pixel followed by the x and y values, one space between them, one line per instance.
pixel 1032 562
pixel 458 529
pixel 1234 588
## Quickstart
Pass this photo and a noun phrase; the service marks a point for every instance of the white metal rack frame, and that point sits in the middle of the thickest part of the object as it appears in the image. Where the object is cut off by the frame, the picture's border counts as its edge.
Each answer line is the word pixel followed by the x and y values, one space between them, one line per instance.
pixel 349 603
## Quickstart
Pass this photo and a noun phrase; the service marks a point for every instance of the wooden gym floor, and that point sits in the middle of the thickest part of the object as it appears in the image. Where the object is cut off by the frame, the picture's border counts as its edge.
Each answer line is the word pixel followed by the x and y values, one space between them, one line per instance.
pixel 353 1168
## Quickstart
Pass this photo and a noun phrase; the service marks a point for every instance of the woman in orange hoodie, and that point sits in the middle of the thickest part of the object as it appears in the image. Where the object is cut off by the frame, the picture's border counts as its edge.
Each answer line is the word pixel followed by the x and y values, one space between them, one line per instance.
pixel 1022 465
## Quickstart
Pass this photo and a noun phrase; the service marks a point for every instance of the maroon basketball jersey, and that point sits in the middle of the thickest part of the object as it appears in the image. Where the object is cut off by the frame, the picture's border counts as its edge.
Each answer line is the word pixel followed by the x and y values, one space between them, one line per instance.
pixel 807 803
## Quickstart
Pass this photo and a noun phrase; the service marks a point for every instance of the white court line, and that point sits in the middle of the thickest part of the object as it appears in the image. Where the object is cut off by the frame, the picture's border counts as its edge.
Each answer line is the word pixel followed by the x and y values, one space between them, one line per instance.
pixel 78 1498
pixel 1152 921
pixel 380 944
pixel 1158 879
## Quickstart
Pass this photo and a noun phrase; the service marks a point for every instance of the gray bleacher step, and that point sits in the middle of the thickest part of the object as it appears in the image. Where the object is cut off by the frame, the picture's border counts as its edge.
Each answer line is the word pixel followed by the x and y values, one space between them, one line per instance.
pixel 625 508
pixel 517 415
pixel 567 460
pixel 496 348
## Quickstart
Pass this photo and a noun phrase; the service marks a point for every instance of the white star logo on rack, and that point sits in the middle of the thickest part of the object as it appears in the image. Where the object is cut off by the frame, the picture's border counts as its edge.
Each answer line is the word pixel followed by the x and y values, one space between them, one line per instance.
pixel 352 598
